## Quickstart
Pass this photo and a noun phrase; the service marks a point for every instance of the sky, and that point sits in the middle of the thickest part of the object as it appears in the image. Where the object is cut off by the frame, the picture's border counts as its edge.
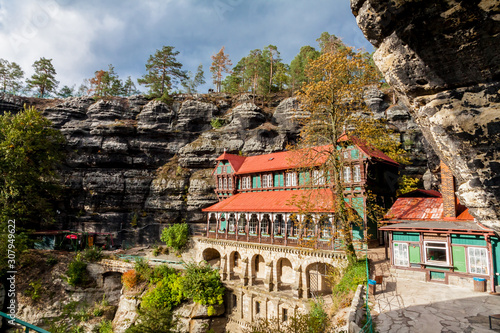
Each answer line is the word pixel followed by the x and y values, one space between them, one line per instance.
pixel 82 37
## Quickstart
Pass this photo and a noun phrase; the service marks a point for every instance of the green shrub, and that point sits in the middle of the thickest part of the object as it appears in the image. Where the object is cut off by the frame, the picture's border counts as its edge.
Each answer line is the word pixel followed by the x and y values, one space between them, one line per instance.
pixel 202 283
pixel 159 272
pixel 217 122
pixel 142 268
pixel 167 293
pixel 354 275
pixel 77 272
pixel 92 254
pixel 176 236
pixel 105 326
pixel 35 291
pixel 154 320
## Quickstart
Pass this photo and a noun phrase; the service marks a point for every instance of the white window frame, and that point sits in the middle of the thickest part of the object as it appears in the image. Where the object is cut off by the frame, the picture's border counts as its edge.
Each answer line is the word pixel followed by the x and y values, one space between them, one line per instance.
pixel 470 260
pixel 225 183
pixel 347 174
pixel 319 177
pixel 347 154
pixel 434 262
pixel 267 180
pixel 356 173
pixel 399 257
pixel 230 183
pixel 291 179
pixel 246 182
pixel 220 183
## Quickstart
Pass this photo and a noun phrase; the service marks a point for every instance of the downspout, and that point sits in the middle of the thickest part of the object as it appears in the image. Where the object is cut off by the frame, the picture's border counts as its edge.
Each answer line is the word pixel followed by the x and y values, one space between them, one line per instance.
pixel 490 250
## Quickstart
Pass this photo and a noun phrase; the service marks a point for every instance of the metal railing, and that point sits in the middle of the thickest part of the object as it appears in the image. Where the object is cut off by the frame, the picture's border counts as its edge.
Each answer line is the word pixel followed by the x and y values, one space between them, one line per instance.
pixel 23 323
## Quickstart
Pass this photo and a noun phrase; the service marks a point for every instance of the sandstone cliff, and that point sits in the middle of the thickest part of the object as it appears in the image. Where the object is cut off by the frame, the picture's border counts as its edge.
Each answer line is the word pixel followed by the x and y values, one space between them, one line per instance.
pixel 135 164
pixel 442 59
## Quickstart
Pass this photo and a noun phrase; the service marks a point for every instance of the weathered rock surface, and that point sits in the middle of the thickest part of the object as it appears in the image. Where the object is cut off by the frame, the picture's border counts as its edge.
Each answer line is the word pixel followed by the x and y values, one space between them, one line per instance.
pixel 442 59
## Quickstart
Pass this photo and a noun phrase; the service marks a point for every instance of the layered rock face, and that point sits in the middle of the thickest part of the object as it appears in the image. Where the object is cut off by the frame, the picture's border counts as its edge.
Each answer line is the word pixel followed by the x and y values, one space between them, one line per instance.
pixel 134 165
pixel 442 59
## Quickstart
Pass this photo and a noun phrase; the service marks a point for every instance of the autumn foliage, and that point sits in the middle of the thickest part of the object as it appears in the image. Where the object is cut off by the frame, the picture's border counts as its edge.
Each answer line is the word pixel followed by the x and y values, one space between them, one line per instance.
pixel 130 279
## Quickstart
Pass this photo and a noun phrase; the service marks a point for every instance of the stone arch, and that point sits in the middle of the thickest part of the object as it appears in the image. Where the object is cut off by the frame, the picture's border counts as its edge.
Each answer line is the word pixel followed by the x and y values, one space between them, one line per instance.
pixel 285 274
pixel 235 264
pixel 258 268
pixel 212 256
pixel 318 276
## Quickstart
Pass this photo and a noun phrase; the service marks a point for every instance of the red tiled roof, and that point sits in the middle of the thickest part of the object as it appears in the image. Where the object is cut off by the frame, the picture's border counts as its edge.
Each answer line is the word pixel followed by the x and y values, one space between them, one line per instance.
pixel 319 200
pixel 422 193
pixel 285 160
pixel 235 160
pixel 415 208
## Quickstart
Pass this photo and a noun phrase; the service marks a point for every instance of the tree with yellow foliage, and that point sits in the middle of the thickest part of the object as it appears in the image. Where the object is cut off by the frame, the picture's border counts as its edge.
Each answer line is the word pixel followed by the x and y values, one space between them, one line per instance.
pixel 333 99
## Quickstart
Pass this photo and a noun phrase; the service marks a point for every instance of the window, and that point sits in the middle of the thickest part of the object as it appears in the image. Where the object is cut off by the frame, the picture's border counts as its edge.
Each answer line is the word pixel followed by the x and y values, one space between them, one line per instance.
pixel 325 227
pixel 236 259
pixel 279 224
pixel 230 183
pixel 309 226
pixel 253 224
pixel 346 154
pixel 478 260
pixel 291 179
pixel 246 183
pixel 267 181
pixel 401 257
pixel 318 177
pixel 232 222
pixel 347 174
pixel 357 173
pixel 264 224
pixel 220 183
pixel 292 226
pixel 257 307
pixel 284 315
pixel 242 221
pixel 436 252
pixel 225 183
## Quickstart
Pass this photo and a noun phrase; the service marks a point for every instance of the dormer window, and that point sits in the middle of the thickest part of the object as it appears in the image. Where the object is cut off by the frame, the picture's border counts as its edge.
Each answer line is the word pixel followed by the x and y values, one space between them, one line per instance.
pixel 267 180
pixel 318 177
pixel 291 179
pixel 225 183
pixel 246 183
pixel 230 183
pixel 220 183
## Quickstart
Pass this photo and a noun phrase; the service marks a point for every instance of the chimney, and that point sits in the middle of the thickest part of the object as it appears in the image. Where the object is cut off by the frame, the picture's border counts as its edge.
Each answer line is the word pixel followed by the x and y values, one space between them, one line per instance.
pixel 448 193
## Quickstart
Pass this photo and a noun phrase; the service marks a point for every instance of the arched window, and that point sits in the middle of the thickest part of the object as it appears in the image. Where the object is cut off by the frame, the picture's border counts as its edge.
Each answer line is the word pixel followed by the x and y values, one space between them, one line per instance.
pixel 264 224
pixel 325 226
pixel 308 226
pixel 292 226
pixel 225 183
pixel 220 183
pixel 232 222
pixel 230 183
pixel 279 224
pixel 253 224
pixel 212 222
pixel 242 222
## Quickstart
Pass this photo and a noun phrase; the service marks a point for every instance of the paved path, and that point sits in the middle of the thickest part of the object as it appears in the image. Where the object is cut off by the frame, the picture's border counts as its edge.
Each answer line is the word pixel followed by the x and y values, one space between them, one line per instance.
pixel 403 305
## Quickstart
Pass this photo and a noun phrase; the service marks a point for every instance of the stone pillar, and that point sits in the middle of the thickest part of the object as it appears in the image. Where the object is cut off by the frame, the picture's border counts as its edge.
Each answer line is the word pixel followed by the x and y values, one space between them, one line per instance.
pixel 297 284
pixel 241 304
pixel 223 267
pixel 244 272
pixel 268 282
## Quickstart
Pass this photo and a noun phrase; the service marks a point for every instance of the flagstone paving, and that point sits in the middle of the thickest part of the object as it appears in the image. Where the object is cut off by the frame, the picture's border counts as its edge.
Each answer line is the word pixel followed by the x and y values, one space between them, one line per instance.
pixel 403 305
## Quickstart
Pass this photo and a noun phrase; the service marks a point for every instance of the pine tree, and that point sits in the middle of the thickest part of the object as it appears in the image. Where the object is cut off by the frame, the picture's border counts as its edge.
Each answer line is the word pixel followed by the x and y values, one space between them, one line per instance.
pixel 43 80
pixel 106 83
pixel 299 65
pixel 11 75
pixel 129 87
pixel 163 72
pixel 220 65
pixel 194 81
pixel 66 92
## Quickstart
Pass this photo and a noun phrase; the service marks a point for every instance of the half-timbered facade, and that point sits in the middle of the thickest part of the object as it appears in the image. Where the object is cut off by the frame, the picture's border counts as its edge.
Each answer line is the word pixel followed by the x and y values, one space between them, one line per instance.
pixel 286 198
